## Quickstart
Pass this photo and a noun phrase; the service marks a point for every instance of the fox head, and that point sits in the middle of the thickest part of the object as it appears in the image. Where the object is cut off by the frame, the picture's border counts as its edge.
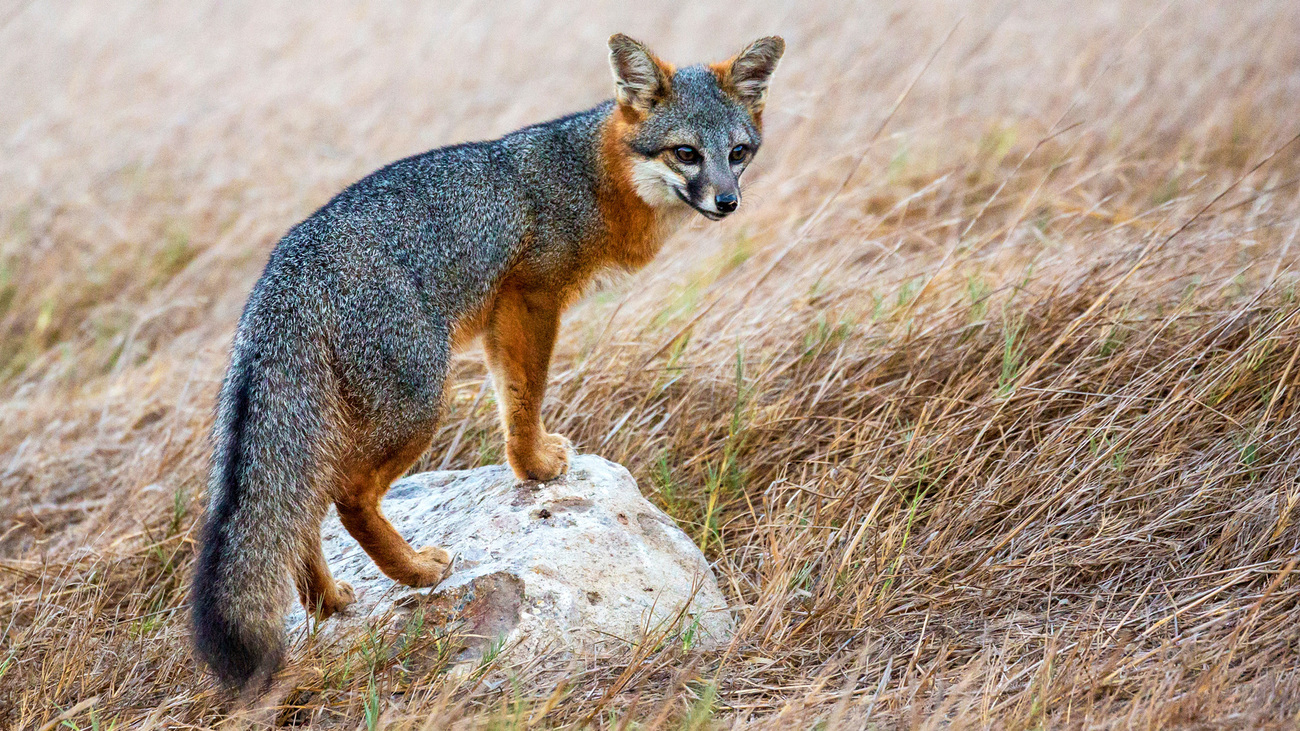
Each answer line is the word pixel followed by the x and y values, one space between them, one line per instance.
pixel 691 132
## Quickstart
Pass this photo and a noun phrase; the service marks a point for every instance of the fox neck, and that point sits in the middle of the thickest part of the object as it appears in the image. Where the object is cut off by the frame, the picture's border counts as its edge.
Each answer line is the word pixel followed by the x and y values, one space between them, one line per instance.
pixel 639 216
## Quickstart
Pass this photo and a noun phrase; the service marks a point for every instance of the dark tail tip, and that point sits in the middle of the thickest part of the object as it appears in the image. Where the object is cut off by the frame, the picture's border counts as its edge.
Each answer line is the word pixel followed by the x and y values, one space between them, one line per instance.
pixel 240 651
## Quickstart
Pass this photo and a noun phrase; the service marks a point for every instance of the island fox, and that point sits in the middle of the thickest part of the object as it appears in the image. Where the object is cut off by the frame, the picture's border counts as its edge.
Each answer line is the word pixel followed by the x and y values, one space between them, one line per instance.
pixel 337 367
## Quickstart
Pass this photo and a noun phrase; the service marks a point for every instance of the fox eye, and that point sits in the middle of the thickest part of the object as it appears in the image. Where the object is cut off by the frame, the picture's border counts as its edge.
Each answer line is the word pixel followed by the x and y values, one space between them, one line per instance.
pixel 688 155
pixel 739 153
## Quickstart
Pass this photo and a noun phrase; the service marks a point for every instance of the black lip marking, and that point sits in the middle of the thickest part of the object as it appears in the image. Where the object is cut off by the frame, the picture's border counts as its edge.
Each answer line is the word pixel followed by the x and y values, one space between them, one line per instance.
pixel 707 214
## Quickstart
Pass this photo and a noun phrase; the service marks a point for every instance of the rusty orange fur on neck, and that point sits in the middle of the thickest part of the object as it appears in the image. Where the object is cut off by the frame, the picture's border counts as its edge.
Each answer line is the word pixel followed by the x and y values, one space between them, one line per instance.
pixel 632 230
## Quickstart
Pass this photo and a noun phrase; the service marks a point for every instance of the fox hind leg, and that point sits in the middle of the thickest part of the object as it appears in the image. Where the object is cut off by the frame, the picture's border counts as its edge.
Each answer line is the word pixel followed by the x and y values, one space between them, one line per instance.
pixel 390 552
pixel 391 378
pixel 360 513
pixel 319 592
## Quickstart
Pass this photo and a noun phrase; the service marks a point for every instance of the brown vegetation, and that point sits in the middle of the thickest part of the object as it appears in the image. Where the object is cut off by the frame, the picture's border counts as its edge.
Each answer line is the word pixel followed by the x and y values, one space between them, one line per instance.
pixel 981 422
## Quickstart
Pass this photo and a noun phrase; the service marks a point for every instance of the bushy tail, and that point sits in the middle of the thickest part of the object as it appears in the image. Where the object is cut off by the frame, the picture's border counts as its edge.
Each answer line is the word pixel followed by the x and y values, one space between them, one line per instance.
pixel 263 495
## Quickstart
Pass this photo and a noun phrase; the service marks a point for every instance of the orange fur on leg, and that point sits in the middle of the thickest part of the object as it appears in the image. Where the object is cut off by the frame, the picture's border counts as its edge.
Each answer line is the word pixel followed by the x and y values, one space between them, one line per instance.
pixel 319 592
pixel 360 513
pixel 518 341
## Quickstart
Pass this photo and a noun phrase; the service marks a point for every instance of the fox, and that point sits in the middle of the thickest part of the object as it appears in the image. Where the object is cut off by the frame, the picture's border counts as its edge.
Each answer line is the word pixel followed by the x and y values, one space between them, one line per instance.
pixel 337 366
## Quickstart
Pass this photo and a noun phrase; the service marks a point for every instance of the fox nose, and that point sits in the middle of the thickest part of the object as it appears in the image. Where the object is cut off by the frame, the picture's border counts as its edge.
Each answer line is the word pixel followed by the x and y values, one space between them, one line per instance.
pixel 726 202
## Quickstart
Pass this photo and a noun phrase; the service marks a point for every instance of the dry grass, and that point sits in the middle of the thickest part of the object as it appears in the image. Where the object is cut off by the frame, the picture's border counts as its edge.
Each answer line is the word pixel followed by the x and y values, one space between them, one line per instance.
pixel 974 439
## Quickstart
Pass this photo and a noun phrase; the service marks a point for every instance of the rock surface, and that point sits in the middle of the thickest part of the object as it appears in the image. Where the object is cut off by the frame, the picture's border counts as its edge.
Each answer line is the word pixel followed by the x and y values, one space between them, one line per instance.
pixel 581 563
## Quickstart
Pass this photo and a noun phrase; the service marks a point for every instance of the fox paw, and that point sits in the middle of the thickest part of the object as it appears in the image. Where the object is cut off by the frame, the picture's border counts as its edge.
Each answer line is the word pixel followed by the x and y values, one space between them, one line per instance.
pixel 343 596
pixel 346 594
pixel 544 459
pixel 431 564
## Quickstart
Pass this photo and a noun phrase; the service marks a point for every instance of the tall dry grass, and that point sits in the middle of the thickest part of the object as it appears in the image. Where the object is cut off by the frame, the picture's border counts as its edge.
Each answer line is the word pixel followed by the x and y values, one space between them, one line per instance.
pixel 985 418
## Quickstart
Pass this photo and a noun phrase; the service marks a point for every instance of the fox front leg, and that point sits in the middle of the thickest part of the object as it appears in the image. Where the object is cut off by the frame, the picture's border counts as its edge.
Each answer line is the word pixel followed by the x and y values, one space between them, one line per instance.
pixel 518 342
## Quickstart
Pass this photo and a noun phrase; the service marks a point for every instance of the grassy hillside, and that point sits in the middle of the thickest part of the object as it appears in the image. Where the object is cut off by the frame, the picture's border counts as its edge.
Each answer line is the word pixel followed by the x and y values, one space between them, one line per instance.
pixel 984 406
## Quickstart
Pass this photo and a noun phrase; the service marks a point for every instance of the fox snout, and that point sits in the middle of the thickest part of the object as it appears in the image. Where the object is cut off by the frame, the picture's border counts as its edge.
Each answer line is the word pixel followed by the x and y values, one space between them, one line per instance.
pixel 722 205
pixel 721 192
pixel 713 201
pixel 726 202
pixel 712 184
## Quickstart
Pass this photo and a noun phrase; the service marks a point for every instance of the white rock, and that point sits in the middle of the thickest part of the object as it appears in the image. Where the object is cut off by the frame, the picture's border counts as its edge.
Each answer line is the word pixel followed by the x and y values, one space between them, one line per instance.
pixel 581 563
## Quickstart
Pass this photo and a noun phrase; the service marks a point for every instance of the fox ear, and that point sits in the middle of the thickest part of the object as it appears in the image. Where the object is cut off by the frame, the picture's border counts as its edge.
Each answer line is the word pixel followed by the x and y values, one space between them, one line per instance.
pixel 747 74
pixel 641 81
